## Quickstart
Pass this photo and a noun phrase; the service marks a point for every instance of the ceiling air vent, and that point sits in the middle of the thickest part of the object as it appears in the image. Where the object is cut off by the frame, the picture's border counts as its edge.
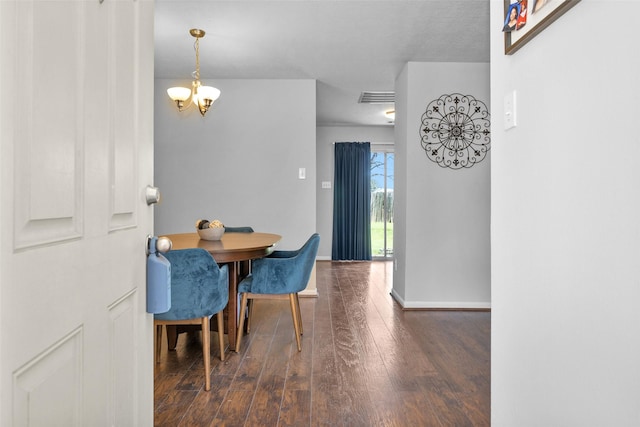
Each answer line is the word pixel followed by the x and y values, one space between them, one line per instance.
pixel 377 98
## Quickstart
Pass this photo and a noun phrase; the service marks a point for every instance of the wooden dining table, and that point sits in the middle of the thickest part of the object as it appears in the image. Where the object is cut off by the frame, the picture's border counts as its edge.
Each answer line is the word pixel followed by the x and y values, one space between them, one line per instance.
pixel 236 250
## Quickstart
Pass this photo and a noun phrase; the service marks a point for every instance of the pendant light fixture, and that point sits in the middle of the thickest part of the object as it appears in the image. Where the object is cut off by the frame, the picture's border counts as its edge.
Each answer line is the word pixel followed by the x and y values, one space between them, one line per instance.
pixel 202 96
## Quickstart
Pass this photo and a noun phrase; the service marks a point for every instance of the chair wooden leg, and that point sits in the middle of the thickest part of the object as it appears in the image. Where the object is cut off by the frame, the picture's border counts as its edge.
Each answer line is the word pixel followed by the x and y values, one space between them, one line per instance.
pixel 299 314
pixel 172 336
pixel 294 315
pixel 158 342
pixel 243 309
pixel 206 352
pixel 220 317
pixel 250 305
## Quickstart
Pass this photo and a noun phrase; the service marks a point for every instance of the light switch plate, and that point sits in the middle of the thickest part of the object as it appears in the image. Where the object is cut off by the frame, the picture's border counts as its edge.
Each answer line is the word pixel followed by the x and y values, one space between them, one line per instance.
pixel 510 116
pixel 302 173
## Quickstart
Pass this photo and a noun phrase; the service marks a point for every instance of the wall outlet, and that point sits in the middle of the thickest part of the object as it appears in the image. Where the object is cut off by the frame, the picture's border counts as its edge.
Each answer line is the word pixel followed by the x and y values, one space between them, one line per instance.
pixel 326 184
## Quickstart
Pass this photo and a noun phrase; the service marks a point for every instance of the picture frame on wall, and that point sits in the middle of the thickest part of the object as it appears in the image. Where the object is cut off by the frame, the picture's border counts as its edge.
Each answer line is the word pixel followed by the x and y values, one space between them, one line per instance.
pixel 524 19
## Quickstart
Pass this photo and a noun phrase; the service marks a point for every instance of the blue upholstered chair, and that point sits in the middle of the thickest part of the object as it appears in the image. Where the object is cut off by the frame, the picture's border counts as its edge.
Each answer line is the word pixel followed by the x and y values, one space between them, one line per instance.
pixel 199 289
pixel 281 275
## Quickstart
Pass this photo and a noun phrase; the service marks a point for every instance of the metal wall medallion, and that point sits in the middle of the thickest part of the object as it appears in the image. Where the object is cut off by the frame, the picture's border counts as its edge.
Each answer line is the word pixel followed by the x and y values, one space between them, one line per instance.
pixel 456 131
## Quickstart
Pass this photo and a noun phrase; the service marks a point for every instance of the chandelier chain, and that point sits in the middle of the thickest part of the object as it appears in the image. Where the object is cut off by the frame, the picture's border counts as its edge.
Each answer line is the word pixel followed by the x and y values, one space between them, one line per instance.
pixel 197 48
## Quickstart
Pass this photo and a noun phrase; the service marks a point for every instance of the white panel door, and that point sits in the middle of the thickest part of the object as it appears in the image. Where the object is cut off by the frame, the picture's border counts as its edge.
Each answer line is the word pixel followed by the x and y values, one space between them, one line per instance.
pixel 76 154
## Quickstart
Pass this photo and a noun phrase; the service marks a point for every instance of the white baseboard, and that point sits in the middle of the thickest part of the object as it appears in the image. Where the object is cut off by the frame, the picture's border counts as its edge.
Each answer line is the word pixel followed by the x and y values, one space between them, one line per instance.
pixel 309 293
pixel 439 305
pixel 323 258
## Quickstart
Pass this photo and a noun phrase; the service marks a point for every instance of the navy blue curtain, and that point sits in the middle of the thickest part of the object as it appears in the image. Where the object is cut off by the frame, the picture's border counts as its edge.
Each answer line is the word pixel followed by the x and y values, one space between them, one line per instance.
pixel 352 202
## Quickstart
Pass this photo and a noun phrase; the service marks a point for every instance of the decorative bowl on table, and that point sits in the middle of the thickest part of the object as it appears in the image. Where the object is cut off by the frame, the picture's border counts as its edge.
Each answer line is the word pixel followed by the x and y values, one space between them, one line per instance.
pixel 209 230
pixel 211 233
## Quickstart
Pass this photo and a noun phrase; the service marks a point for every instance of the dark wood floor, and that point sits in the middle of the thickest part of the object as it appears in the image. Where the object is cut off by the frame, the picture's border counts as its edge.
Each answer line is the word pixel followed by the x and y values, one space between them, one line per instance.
pixel 364 362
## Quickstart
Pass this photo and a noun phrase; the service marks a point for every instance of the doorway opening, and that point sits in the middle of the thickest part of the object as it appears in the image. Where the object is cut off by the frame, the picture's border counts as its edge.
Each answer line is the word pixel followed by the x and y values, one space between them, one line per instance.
pixel 382 163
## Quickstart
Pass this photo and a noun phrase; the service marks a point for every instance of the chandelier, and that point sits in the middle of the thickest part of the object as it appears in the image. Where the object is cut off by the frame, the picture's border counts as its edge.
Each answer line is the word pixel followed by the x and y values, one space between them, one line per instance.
pixel 201 96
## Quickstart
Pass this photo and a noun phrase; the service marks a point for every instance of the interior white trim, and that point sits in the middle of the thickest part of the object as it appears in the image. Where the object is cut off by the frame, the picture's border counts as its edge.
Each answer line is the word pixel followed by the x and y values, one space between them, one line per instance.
pixel 442 305
pixel 309 293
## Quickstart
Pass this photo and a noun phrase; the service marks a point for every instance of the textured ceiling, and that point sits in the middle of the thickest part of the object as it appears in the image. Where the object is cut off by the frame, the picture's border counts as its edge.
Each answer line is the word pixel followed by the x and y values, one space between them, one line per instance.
pixel 348 46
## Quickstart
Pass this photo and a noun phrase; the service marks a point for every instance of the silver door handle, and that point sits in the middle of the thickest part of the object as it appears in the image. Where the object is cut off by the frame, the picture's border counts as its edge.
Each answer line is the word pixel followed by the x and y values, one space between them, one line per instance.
pixel 158 244
pixel 152 195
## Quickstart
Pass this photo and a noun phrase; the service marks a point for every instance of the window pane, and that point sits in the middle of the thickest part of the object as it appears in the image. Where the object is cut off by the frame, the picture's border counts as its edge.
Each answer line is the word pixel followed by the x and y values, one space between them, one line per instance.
pixel 381 205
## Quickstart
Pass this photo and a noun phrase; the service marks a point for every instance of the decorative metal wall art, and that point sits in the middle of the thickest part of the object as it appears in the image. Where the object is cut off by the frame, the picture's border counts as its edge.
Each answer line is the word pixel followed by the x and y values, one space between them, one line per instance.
pixel 455 131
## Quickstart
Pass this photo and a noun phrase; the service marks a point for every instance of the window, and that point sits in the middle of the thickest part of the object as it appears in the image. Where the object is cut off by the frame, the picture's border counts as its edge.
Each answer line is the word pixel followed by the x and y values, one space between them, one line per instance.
pixel 382 157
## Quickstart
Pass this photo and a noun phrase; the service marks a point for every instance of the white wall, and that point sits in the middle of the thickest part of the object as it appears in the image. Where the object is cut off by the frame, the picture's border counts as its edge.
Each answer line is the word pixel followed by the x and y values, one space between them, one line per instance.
pixel 566 222
pixel 326 136
pixel 400 186
pixel 442 217
pixel 240 163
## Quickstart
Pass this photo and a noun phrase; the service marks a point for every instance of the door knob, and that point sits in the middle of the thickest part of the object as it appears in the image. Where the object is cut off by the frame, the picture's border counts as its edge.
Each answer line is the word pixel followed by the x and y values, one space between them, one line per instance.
pixel 158 244
pixel 152 195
